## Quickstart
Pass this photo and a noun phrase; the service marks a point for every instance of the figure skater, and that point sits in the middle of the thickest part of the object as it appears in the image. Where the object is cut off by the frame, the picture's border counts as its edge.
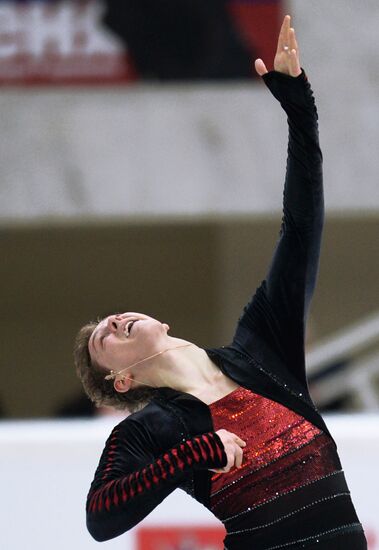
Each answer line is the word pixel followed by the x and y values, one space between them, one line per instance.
pixel 235 426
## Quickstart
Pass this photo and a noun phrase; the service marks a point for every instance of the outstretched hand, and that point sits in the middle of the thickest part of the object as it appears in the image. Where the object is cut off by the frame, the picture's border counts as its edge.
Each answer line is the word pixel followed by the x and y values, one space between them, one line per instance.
pixel 287 59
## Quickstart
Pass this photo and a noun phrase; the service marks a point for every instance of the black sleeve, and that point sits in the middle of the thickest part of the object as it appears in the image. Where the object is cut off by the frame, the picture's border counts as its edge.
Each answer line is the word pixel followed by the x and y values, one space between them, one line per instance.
pixel 130 481
pixel 276 314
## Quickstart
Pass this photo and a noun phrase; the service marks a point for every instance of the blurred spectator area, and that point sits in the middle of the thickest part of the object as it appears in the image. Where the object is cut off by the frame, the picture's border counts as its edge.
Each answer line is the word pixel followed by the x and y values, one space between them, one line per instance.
pixel 166 198
pixel 197 276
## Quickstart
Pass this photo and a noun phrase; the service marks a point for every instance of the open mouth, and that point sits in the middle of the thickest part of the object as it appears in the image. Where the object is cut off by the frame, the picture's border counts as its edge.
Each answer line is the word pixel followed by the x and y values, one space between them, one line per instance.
pixel 128 327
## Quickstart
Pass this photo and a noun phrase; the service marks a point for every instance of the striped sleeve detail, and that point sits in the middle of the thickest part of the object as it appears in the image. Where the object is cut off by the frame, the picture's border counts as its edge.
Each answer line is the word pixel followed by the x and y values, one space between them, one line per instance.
pixel 110 490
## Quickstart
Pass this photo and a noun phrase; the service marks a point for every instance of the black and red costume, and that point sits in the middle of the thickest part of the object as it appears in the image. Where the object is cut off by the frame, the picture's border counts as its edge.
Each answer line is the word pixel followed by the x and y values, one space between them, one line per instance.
pixel 290 492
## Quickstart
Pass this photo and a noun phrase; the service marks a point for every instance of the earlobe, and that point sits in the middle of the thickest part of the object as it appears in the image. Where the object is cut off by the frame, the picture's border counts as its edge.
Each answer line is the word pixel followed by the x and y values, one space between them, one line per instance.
pixel 122 384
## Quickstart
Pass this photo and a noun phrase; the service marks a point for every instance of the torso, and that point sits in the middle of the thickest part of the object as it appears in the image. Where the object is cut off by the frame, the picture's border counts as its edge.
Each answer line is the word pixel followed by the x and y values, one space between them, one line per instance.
pixel 280 447
pixel 290 468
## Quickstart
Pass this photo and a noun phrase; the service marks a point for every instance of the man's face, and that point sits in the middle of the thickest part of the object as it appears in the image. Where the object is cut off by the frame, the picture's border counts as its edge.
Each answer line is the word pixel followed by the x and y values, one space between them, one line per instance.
pixel 121 340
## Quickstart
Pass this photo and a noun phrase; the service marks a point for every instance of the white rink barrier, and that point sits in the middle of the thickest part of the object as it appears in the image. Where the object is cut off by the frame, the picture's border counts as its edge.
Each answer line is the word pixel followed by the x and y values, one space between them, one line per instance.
pixel 46 468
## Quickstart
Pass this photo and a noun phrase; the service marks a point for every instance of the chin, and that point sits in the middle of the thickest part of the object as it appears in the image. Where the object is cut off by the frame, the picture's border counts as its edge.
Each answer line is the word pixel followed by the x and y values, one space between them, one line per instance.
pixel 153 331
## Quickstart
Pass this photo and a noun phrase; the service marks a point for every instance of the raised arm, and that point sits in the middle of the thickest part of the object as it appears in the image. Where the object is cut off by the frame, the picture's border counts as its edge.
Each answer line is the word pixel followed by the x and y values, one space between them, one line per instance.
pixel 276 314
pixel 131 480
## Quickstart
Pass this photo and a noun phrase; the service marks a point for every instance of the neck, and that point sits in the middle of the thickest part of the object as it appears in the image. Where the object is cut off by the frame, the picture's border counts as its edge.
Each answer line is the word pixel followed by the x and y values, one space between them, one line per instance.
pixel 114 374
pixel 182 366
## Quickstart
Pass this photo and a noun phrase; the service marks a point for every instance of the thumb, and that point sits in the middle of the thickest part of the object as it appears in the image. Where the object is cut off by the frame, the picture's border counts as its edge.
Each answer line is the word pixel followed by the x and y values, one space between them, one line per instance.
pixel 260 67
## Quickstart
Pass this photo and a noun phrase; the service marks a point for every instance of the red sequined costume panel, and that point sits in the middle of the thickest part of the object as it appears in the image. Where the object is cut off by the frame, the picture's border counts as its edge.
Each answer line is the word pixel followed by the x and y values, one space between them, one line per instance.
pixel 283 452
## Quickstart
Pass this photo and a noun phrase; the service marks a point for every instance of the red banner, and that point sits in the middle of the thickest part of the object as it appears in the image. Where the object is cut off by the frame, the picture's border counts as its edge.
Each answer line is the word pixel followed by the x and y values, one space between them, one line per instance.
pixel 258 23
pixel 64 42
pixel 180 538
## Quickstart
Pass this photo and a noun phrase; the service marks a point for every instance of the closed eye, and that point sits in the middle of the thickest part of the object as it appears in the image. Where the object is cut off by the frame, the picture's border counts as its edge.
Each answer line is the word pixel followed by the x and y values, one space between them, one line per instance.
pixel 100 339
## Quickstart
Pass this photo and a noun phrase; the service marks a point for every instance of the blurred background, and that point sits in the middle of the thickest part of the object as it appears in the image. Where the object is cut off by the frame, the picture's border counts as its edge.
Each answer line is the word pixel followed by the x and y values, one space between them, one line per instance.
pixel 142 165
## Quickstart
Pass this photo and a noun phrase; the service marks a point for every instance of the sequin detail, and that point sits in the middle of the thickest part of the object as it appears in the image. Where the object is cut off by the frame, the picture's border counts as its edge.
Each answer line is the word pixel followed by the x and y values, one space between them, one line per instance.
pixel 283 452
pixel 273 499
pixel 338 530
pixel 276 379
pixel 286 516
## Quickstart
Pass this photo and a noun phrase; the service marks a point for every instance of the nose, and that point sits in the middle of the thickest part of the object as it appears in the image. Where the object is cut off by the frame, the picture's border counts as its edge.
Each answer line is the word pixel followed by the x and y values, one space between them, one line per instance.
pixel 113 323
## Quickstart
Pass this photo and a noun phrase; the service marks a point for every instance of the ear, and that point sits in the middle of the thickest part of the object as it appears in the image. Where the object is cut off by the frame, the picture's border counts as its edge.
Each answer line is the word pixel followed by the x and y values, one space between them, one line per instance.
pixel 122 384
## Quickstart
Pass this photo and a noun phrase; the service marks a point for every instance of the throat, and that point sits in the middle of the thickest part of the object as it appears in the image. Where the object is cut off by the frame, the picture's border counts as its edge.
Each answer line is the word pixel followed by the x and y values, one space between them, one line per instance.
pixel 213 385
pixel 212 394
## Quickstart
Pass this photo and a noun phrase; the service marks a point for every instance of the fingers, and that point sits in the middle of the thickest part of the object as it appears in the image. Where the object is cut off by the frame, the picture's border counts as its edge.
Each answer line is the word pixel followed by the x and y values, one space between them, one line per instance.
pixel 235 457
pixel 233 446
pixel 226 437
pixel 287 59
pixel 294 56
pixel 292 42
pixel 238 458
pixel 283 39
pixel 294 63
pixel 260 67
pixel 240 441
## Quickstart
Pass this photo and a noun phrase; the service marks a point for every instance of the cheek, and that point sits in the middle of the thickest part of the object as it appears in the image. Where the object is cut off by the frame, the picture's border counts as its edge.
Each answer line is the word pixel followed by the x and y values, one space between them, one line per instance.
pixel 114 354
pixel 110 359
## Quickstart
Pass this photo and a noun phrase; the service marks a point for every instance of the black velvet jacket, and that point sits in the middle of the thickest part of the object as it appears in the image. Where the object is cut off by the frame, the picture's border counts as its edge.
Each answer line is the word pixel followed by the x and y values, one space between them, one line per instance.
pixel 161 447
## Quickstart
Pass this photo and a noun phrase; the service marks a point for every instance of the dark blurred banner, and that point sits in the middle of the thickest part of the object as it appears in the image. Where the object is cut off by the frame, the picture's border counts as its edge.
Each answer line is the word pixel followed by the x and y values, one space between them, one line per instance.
pixel 120 41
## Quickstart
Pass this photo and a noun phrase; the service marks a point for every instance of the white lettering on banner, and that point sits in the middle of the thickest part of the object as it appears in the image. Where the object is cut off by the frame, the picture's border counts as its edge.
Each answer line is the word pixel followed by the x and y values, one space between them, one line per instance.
pixel 49 32
pixel 60 41
pixel 97 40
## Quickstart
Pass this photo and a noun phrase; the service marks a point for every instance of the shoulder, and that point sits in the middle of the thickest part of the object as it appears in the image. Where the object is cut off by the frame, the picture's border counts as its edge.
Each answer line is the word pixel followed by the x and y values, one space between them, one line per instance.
pixel 170 417
pixel 192 414
pixel 156 411
pixel 153 427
